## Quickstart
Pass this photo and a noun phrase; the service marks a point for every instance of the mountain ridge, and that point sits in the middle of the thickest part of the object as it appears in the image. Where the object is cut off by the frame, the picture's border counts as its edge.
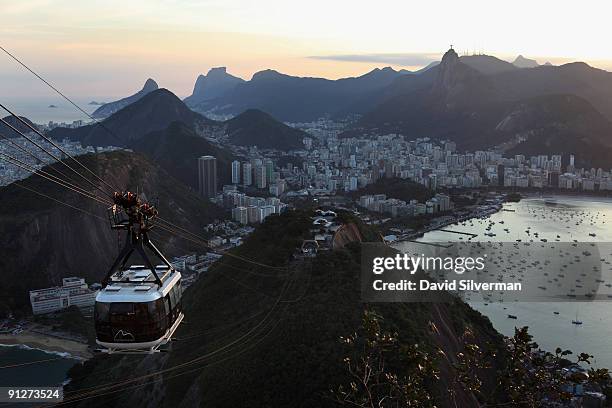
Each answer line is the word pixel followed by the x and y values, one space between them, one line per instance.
pixel 291 349
pixel 254 127
pixel 154 111
pixel 296 99
pixel 216 83
pixel 522 62
pixel 465 105
pixel 177 148
pixel 109 108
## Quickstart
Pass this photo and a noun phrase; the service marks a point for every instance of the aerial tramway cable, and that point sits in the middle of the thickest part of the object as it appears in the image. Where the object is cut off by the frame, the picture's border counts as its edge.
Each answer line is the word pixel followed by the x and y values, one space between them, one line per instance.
pixel 79 396
pixel 47 176
pixel 7 141
pixel 171 227
pixel 189 371
pixel 224 349
pixel 58 92
pixel 59 201
pixel 168 226
pixel 48 140
pixel 26 166
pixel 110 386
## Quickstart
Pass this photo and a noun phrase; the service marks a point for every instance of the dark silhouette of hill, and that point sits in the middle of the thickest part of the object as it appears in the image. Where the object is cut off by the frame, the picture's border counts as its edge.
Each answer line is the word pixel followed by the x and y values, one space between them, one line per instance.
pixel 154 111
pixel 43 241
pixel 215 84
pixel 256 128
pixel 108 109
pixel 487 64
pixel 177 148
pixel 578 78
pixel 281 351
pixel 157 110
pixel 561 124
pixel 8 132
pixel 479 110
pixel 298 99
pixel 401 189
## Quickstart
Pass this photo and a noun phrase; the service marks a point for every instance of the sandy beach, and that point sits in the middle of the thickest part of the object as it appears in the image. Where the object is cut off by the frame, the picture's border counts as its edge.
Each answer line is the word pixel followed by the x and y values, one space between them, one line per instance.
pixel 47 343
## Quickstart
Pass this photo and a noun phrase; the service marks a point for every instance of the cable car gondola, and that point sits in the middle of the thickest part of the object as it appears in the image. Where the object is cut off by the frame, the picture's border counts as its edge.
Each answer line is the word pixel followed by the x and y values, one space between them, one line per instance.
pixel 139 307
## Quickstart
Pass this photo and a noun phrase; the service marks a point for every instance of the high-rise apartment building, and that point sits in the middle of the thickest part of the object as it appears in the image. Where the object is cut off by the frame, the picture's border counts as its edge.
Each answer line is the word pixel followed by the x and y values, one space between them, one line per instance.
pixel 235 172
pixel 260 177
pixel 247 174
pixel 207 176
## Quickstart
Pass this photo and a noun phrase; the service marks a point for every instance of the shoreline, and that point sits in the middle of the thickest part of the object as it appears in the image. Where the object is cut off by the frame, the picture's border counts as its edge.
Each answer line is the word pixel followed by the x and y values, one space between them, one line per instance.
pixel 48 344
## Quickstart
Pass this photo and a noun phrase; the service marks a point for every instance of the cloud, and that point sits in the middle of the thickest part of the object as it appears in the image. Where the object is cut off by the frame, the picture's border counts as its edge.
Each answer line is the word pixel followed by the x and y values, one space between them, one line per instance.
pixel 402 59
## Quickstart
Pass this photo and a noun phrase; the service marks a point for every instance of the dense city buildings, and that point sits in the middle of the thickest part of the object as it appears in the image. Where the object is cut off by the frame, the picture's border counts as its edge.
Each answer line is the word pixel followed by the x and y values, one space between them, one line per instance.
pixel 333 164
pixel 330 164
pixel 21 158
pixel 250 210
pixel 397 208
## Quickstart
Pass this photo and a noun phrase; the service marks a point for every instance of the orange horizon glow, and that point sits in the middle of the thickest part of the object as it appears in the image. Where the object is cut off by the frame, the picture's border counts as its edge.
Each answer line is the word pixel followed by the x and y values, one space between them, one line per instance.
pixel 109 48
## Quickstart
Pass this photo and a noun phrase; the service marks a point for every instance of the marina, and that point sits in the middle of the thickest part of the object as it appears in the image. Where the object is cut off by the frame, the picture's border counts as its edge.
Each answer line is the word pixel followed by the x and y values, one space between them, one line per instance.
pixel 580 321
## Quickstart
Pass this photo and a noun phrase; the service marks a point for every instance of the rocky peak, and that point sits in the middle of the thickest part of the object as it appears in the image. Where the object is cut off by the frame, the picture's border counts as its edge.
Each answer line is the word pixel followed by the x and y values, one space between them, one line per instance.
pixel 212 85
pixel 217 71
pixel 267 74
pixel 450 56
pixel 447 70
pixel 522 62
pixel 150 85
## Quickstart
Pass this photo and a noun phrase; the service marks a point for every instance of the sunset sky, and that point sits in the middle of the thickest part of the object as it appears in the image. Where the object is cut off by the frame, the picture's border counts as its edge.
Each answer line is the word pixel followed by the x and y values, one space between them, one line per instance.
pixel 108 48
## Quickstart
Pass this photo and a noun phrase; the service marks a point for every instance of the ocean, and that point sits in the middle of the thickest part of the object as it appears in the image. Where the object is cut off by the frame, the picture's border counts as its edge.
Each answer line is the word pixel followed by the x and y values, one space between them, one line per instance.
pixel 39 111
pixel 48 368
pixel 556 218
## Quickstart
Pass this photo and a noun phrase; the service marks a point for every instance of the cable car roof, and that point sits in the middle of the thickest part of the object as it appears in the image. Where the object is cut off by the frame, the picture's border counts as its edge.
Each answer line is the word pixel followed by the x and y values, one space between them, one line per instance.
pixel 137 284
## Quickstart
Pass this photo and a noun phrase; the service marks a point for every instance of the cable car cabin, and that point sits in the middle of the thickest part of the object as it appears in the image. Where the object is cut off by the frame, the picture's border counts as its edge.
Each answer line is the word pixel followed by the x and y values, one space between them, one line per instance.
pixel 134 314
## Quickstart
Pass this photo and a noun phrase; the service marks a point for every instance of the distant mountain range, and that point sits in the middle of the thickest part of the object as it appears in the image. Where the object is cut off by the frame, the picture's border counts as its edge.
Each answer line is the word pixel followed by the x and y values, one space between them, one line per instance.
pixel 522 62
pixel 292 99
pixel 154 111
pixel 108 109
pixel 213 85
pixel 482 102
pixel 157 110
pixel 8 132
pixel 477 100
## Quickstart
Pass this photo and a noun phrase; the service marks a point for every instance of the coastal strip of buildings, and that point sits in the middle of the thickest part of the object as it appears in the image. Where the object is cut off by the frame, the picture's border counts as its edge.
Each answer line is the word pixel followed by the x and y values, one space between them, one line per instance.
pixel 73 292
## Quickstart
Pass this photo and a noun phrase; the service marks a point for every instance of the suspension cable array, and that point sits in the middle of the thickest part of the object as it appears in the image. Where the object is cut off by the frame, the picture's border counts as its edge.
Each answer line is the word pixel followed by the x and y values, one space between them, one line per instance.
pixel 244 342
pixel 229 350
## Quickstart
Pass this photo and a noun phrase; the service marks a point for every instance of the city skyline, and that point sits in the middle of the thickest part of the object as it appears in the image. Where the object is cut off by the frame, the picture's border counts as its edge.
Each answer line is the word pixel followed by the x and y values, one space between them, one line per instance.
pixel 92 56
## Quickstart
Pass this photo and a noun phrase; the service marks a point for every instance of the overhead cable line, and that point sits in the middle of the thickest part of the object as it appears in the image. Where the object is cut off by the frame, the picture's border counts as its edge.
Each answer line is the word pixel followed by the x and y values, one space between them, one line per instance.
pixel 58 201
pixel 34 170
pixel 49 153
pixel 30 363
pixel 16 162
pixel 198 239
pixel 190 371
pixel 189 362
pixel 58 92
